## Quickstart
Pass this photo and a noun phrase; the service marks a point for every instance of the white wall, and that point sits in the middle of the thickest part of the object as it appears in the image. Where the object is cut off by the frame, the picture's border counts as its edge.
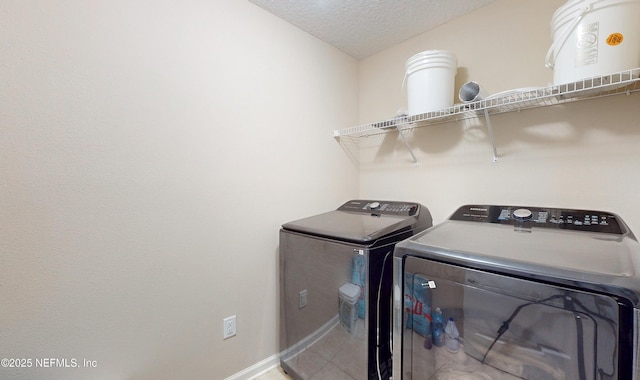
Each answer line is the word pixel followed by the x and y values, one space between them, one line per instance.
pixel 578 155
pixel 149 152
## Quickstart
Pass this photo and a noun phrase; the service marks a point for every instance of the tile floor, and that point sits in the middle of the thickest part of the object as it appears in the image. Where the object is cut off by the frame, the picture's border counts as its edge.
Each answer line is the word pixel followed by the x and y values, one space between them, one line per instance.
pixel 337 355
pixel 437 363
pixel 332 359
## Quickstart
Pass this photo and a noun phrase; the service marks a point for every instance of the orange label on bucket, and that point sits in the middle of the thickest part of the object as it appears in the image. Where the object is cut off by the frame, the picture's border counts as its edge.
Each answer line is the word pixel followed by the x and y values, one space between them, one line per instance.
pixel 615 39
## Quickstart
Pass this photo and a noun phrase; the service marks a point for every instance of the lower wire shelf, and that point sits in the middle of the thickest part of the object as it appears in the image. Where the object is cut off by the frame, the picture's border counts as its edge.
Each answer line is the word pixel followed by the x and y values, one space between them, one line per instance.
pixel 624 82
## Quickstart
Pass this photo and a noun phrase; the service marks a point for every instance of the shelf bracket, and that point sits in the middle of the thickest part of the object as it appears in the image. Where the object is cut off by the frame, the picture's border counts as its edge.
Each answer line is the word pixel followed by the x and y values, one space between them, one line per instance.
pixel 490 129
pixel 406 144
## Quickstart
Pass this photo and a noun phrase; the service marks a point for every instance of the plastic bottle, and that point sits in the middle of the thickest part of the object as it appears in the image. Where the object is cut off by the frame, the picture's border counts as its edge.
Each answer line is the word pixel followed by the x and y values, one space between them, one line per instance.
pixel 451 336
pixel 428 340
pixel 438 327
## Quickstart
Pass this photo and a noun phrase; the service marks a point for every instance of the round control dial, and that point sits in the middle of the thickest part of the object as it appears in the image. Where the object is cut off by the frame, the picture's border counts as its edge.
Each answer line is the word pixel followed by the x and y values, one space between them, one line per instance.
pixel 522 214
pixel 374 205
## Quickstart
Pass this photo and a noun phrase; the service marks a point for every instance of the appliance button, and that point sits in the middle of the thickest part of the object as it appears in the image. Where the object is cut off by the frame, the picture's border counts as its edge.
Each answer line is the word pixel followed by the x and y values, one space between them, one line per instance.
pixel 374 205
pixel 522 214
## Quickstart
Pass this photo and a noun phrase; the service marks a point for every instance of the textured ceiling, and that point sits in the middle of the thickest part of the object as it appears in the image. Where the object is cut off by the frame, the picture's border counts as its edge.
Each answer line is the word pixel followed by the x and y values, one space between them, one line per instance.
pixel 361 28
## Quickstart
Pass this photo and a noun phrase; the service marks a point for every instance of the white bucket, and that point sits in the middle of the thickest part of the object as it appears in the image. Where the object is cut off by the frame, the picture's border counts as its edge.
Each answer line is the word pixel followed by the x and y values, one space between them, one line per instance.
pixel 594 38
pixel 430 80
pixel 348 298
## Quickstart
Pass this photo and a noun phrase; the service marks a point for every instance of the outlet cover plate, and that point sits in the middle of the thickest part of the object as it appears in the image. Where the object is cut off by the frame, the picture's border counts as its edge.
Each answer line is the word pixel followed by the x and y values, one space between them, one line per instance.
pixel 229 327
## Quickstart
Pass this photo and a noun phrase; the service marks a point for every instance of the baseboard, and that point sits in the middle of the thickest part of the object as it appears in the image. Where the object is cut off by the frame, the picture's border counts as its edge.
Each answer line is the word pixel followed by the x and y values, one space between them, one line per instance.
pixel 256 369
pixel 274 360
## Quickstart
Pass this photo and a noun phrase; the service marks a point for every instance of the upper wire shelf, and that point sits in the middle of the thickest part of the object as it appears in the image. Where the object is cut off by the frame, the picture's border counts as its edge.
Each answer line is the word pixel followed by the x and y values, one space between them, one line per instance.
pixel 624 82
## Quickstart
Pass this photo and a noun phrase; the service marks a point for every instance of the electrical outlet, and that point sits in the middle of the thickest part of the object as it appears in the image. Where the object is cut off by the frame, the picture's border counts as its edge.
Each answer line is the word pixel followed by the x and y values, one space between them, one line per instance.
pixel 229 327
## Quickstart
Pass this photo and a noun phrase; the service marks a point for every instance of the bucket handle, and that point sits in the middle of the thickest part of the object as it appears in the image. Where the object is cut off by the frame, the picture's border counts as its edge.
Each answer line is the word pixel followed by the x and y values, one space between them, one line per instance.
pixel 559 43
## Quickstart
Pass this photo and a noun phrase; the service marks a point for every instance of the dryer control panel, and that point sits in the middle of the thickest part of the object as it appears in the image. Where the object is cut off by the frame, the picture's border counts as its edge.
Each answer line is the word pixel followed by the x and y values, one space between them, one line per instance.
pixel 381 207
pixel 527 217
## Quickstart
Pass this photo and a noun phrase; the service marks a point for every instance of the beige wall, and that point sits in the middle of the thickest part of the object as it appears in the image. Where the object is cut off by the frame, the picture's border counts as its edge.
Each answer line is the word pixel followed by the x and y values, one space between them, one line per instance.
pixel 579 155
pixel 149 152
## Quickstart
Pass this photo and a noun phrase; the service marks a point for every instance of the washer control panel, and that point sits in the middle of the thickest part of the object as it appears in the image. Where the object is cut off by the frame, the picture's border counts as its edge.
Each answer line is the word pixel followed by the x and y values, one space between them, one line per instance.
pixel 381 207
pixel 578 220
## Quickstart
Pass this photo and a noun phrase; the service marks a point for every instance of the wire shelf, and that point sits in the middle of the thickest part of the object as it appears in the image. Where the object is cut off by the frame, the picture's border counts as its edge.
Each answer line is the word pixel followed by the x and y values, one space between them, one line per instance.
pixel 624 82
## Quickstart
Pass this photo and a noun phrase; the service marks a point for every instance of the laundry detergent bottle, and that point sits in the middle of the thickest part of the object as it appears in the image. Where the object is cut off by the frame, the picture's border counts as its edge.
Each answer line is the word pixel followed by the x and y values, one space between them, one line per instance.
pixel 452 336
